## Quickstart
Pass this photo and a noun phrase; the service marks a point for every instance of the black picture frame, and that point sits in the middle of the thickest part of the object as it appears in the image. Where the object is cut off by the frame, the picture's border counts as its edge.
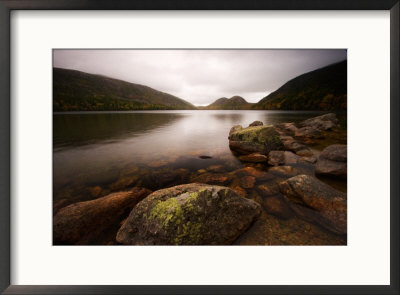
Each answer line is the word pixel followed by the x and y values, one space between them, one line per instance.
pixel 6 6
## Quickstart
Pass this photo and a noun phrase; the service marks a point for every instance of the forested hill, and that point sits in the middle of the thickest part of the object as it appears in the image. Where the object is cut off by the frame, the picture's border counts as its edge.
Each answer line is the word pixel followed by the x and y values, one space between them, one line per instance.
pixel 322 89
pixel 233 103
pixel 79 91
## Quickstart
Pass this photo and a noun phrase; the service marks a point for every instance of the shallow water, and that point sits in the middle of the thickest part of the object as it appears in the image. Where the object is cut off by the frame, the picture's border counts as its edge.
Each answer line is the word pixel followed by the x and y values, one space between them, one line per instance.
pixel 99 152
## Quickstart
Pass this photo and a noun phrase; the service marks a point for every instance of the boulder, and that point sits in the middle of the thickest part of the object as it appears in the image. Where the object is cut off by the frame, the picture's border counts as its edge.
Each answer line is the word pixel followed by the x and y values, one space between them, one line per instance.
pixel 254 158
pixel 90 222
pixel 333 161
pixel 190 214
pixel 317 202
pixel 256 123
pixel 255 139
pixel 324 122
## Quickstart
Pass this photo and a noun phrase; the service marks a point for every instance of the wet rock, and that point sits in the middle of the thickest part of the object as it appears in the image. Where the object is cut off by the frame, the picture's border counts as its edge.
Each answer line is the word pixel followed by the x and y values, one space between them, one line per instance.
pixel 317 202
pixel 87 222
pixel 290 144
pixel 306 152
pixel 256 123
pixel 311 160
pixel 191 214
pixel 165 177
pixel 307 132
pixel 267 190
pixel 123 182
pixel 277 206
pixel 283 171
pixel 255 139
pixel 212 178
pixel 247 181
pixel 254 158
pixel 333 161
pixel 282 158
pixel 260 175
pixel 216 168
pixel 286 128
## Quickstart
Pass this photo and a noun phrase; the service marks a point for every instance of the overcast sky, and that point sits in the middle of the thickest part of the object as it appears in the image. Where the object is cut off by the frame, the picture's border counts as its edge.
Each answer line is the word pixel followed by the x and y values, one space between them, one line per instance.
pixel 201 76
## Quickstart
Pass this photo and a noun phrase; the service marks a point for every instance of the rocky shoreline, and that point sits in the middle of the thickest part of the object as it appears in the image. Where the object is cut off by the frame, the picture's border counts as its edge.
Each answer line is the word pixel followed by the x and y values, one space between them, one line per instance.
pixel 277 198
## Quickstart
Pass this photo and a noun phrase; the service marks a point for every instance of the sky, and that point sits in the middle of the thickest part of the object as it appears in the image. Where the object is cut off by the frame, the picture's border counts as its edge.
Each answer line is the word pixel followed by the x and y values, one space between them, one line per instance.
pixel 201 76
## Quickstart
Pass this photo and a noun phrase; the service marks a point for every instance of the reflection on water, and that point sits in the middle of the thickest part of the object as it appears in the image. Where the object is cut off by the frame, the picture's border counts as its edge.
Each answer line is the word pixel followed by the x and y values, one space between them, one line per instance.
pixel 92 148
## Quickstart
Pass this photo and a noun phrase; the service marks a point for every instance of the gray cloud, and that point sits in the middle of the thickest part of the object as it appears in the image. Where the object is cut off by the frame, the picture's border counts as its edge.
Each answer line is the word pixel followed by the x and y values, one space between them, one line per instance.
pixel 201 76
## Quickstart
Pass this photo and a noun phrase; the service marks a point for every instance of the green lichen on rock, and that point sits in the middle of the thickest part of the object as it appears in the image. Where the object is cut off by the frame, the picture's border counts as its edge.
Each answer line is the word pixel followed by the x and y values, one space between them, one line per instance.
pixel 191 214
pixel 260 139
pixel 167 212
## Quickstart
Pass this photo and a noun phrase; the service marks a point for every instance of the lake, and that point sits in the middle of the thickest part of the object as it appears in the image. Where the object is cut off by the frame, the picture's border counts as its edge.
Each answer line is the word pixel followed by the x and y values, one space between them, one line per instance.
pixel 96 153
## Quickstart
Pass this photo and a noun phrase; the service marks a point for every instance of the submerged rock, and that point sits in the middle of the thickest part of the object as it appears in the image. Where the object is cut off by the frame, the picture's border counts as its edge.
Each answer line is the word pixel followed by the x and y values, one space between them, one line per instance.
pixel 315 201
pixel 213 178
pixel 277 206
pixel 87 222
pixel 190 214
pixel 254 158
pixel 333 161
pixel 259 174
pixel 255 139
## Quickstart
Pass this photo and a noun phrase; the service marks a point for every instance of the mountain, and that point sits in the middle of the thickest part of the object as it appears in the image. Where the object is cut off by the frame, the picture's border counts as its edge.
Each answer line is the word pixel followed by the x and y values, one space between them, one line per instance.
pixel 233 103
pixel 79 91
pixel 321 89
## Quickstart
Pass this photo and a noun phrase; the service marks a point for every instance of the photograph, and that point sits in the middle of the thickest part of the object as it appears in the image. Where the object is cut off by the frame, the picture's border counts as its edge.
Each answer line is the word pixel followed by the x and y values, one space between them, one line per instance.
pixel 214 147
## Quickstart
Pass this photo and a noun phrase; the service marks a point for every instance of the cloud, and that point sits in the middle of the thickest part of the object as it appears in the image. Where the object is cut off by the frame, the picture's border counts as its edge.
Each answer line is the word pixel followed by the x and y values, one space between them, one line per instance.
pixel 201 76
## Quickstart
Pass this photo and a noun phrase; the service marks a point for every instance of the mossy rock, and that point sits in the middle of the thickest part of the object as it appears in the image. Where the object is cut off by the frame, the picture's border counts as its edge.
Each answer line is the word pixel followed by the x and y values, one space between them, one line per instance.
pixel 190 214
pixel 260 139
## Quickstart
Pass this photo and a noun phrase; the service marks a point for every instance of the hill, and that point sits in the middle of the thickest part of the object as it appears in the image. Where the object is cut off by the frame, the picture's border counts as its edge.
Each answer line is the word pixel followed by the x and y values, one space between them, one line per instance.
pixel 322 89
pixel 233 103
pixel 79 91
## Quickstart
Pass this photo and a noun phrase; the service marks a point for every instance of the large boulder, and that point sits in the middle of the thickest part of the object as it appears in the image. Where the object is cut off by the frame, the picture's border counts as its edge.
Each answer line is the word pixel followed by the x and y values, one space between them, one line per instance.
pixel 313 127
pixel 93 222
pixel 317 202
pixel 333 161
pixel 254 139
pixel 324 122
pixel 190 214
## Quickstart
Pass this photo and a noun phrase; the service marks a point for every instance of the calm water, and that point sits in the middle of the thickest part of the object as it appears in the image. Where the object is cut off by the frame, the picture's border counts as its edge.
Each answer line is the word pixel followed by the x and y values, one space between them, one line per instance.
pixel 92 149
